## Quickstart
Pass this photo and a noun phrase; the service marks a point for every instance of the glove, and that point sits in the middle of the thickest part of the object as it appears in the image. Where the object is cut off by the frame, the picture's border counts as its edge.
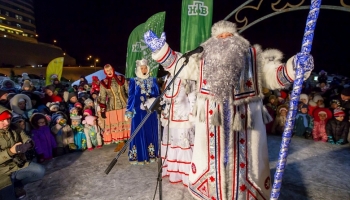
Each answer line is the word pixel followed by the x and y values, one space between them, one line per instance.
pixel 22 148
pixel 330 140
pixel 103 111
pixel 306 61
pixel 340 142
pixel 126 118
pixel 130 114
pixel 153 42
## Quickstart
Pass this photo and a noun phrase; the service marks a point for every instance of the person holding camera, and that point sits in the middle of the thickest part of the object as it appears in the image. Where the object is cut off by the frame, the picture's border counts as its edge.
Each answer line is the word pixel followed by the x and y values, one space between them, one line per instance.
pixel 15 170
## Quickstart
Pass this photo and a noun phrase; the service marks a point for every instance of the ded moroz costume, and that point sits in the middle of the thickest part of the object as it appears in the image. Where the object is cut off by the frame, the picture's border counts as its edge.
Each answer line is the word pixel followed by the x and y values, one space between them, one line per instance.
pixel 230 157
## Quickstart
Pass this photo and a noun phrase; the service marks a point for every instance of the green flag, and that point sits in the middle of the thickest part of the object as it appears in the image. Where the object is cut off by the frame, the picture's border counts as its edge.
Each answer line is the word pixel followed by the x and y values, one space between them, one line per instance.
pixel 196 21
pixel 137 48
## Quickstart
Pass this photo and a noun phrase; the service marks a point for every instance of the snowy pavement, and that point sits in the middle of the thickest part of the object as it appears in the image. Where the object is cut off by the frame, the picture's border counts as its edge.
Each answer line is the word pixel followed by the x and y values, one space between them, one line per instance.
pixel 314 170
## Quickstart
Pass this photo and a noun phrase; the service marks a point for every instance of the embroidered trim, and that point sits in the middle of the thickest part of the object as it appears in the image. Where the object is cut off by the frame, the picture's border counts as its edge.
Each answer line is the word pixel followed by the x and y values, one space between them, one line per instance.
pixel 282 76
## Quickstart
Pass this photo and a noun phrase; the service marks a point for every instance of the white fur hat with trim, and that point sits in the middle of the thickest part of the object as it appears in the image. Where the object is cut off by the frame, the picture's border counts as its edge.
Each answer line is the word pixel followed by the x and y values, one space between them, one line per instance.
pixel 317 98
pixel 223 27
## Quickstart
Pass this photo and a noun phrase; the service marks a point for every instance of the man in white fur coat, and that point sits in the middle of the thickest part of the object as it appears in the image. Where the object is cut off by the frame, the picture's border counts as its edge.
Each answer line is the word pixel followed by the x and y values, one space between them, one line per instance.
pixel 230 157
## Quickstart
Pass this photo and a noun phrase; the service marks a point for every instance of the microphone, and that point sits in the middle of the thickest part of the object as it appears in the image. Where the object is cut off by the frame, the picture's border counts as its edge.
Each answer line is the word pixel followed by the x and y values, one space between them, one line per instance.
pixel 194 51
pixel 187 55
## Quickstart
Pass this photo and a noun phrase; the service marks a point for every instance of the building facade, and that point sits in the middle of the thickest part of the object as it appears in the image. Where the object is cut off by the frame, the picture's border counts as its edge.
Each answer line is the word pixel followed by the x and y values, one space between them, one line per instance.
pixel 19 40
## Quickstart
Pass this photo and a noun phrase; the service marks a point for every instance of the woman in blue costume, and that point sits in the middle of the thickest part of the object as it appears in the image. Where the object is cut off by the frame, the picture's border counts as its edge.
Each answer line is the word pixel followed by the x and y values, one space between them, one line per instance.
pixel 144 147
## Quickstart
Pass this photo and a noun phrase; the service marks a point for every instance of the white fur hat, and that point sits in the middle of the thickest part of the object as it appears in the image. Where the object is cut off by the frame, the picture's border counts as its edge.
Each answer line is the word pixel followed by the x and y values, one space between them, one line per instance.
pixel 222 27
pixel 304 96
pixel 316 98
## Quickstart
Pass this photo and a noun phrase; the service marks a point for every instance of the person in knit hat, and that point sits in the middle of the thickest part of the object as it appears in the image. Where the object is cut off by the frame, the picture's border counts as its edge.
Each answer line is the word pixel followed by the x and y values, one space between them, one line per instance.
pixel 282 97
pixel 73 112
pixel 92 133
pixel 337 129
pixel 316 102
pixel 89 104
pixel 53 106
pixel 63 134
pixel 79 106
pixel 87 112
pixel 280 120
pixel 13 145
pixel 304 123
pixel 78 130
pixel 27 86
pixel 321 117
pixel 50 95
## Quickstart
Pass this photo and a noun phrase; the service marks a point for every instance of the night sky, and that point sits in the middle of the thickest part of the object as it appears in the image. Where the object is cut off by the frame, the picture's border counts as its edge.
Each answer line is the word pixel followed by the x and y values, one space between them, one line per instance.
pixel 101 28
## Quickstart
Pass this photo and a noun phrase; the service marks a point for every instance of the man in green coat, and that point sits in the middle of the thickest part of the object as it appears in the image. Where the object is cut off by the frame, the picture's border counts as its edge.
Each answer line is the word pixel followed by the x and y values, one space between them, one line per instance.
pixel 15 171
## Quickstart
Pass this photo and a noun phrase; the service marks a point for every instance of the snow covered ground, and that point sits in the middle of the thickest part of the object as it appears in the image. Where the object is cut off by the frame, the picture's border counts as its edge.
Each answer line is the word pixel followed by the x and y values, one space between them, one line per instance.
pixel 314 170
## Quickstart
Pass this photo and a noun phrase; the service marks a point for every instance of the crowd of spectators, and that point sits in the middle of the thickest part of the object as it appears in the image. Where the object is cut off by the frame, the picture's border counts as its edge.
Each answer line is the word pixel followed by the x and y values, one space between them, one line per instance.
pixel 323 111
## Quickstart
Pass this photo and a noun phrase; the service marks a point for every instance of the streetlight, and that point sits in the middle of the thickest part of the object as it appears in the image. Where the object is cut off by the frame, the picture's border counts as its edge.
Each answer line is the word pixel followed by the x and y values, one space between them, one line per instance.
pixel 95 60
pixel 54 42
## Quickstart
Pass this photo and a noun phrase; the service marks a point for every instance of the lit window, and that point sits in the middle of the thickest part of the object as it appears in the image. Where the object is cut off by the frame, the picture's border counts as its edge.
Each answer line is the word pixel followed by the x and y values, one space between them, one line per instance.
pixel 2 29
pixel 19 17
pixel 18 25
pixel 25 34
pixel 17 33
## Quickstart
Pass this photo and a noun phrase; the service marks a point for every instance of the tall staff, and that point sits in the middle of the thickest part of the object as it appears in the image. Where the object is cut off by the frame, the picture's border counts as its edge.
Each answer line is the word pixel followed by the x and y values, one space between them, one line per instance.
pixel 304 64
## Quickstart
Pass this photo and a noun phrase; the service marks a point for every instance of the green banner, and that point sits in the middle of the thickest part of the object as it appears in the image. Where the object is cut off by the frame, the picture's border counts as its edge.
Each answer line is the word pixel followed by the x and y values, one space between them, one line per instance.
pixel 134 51
pixel 196 22
pixel 137 48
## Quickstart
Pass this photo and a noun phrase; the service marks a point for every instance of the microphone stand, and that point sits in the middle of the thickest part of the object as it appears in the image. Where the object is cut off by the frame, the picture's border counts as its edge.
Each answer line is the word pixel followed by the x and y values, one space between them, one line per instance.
pixel 149 112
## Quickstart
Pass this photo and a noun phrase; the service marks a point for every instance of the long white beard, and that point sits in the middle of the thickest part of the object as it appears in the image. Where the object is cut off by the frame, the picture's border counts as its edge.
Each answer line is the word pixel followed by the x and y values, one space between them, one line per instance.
pixel 224 59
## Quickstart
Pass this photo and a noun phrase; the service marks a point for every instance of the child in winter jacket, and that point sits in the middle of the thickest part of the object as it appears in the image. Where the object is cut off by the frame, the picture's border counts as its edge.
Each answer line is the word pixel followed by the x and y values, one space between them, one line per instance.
pixel 337 129
pixel 321 116
pixel 78 130
pixel 42 137
pixel 280 120
pixel 92 133
pixel 63 133
pixel 304 123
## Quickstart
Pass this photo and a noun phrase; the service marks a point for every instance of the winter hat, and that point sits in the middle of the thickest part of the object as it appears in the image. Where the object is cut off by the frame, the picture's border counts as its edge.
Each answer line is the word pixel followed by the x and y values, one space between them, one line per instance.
pixel 72 109
pixel 27 84
pixel 56 117
pixel 52 105
pixel 50 87
pixel 346 91
pixel 72 94
pixel 305 106
pixel 317 98
pixel 89 120
pixel 338 112
pixel 87 101
pixel 283 94
pixel 25 76
pixel 304 96
pixel 336 101
pixel 318 111
pixel 77 105
pixel 76 118
pixel 87 111
pixel 82 94
pixel 282 107
pixel 272 97
pixel 5 115
pixel 223 27
pixel 16 119
pixel 36 117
